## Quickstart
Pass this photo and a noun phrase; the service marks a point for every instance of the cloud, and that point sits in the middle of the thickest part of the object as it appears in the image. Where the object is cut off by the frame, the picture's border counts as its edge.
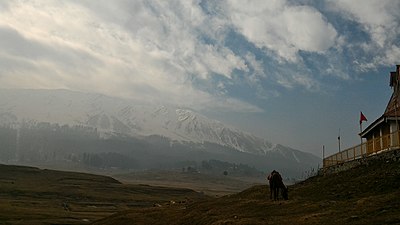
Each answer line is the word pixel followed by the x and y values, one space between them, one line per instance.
pixel 149 51
pixel 281 27
pixel 199 54
pixel 377 17
pixel 380 20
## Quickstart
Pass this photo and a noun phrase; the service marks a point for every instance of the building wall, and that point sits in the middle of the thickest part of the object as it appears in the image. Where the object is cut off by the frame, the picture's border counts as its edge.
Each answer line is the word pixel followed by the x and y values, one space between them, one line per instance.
pixel 379 138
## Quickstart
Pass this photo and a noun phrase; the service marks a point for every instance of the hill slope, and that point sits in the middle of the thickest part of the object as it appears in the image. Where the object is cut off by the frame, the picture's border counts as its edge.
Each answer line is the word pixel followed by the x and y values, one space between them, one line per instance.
pixel 363 195
pixel 29 195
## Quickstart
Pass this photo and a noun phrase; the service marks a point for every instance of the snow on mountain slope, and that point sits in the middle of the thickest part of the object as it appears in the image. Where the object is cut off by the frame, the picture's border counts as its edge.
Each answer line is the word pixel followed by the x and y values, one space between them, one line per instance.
pixel 293 154
pixel 120 116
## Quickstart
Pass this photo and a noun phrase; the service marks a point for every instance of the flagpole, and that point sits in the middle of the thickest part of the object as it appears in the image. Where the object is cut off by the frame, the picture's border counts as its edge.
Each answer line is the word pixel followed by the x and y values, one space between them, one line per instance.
pixel 323 156
pixel 397 122
pixel 362 118
pixel 361 145
pixel 339 139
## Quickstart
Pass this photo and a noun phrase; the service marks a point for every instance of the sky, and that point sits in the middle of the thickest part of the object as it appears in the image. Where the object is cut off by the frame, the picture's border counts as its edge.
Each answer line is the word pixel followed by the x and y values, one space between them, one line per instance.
pixel 297 73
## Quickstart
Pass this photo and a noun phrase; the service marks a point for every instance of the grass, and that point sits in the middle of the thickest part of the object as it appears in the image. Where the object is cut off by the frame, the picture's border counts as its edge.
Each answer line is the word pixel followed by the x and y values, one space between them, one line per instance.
pixel 367 194
pixel 212 185
pixel 364 195
pixel 30 195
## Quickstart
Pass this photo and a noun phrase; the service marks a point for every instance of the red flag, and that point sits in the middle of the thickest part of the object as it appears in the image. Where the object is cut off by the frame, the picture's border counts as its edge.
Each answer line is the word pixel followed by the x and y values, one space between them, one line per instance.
pixel 362 117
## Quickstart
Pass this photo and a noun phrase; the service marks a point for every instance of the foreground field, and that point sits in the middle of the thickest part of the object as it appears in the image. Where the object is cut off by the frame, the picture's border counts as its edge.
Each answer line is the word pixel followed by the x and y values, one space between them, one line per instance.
pixel 364 195
pixel 30 195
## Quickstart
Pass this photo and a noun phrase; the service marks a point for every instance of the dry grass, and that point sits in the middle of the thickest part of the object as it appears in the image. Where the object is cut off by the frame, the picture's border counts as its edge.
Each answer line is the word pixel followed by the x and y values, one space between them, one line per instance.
pixel 32 196
pixel 364 195
pixel 212 185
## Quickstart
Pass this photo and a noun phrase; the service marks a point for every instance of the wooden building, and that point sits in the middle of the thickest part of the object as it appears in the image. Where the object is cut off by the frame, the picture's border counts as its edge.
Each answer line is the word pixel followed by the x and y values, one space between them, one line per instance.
pixel 383 133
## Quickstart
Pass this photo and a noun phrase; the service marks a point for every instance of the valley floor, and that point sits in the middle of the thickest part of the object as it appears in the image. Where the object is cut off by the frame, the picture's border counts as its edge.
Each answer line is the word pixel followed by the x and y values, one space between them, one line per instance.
pixel 363 195
pixel 29 195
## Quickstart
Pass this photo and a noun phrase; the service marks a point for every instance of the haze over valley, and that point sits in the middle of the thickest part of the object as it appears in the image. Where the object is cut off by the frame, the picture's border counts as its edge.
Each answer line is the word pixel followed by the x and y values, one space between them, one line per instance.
pixel 42 127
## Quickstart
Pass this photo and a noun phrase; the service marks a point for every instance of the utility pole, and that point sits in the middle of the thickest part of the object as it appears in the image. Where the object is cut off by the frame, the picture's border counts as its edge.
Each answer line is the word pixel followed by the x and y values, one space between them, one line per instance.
pixel 339 139
pixel 323 156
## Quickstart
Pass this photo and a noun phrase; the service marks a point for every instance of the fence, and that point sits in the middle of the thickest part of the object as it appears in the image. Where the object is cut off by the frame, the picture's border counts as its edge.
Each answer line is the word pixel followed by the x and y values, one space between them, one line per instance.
pixel 373 146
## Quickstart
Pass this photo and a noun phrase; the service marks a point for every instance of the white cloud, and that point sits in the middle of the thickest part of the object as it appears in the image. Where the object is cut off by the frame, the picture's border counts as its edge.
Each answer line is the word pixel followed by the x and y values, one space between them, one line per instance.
pixel 177 51
pixel 146 50
pixel 377 16
pixel 392 55
pixel 380 19
pixel 258 71
pixel 283 28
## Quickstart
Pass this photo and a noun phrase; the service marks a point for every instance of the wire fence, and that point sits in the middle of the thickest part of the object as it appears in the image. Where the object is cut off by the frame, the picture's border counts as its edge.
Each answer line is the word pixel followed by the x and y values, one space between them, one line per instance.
pixel 371 147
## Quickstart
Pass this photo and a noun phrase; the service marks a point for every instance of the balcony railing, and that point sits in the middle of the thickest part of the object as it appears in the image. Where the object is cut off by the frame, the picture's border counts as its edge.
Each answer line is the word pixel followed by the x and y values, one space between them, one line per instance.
pixel 371 147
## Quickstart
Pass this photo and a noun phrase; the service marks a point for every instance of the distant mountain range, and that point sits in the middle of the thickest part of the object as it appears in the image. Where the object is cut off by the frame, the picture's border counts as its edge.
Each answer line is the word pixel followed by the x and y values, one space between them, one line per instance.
pixel 114 117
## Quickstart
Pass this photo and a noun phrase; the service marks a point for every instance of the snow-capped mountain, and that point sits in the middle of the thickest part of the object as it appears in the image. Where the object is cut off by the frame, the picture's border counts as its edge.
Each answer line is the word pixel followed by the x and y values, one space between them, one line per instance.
pixel 177 129
pixel 119 116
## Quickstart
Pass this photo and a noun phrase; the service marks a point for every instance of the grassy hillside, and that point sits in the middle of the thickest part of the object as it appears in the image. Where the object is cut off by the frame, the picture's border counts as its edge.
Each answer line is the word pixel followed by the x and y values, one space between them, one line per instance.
pixel 30 195
pixel 363 195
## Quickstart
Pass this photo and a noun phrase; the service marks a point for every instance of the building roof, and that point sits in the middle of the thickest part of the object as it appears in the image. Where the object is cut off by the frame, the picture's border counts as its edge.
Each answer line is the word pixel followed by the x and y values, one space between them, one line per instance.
pixel 392 108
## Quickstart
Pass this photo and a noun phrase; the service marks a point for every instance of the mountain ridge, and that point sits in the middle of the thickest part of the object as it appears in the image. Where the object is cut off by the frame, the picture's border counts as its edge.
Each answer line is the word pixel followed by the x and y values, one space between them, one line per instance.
pixel 162 128
pixel 109 114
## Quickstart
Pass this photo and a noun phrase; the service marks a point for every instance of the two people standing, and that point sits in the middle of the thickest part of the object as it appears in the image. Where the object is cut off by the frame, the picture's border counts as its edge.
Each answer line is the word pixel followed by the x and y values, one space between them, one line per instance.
pixel 276 184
